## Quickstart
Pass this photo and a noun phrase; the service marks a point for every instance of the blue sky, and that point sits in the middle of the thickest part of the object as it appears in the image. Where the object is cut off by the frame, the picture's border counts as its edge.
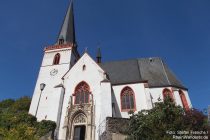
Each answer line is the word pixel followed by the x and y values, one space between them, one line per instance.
pixel 177 31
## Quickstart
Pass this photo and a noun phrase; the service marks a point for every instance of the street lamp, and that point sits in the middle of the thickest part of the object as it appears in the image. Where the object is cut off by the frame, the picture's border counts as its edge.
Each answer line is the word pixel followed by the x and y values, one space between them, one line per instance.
pixel 42 86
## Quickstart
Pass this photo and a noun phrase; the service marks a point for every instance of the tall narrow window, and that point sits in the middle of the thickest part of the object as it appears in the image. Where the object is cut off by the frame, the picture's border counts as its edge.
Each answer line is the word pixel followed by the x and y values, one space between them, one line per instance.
pixel 184 100
pixel 167 92
pixel 56 59
pixel 127 99
pixel 82 92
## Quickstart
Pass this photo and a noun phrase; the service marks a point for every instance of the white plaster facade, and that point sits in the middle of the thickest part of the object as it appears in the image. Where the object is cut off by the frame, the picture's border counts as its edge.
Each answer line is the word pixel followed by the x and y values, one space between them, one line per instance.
pixel 50 95
pixel 105 100
pixel 157 95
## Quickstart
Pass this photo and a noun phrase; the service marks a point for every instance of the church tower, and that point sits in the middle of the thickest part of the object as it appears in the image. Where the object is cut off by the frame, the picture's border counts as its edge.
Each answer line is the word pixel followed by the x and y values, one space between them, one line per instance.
pixel 58 59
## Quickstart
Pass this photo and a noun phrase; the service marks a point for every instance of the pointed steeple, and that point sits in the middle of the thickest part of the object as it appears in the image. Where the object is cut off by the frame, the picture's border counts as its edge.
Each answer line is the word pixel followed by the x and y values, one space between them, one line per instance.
pixel 67 32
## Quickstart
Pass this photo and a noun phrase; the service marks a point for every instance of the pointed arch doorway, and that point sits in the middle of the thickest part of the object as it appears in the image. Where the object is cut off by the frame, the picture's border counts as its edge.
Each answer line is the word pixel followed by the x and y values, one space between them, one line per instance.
pixel 79 127
pixel 79 132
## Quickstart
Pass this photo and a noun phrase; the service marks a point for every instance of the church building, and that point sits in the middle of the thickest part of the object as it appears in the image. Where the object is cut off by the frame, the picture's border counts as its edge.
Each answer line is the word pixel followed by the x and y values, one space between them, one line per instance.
pixel 79 92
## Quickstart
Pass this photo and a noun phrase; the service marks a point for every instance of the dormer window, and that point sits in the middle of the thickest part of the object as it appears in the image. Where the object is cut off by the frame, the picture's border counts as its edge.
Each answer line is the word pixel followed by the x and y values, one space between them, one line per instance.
pixel 56 59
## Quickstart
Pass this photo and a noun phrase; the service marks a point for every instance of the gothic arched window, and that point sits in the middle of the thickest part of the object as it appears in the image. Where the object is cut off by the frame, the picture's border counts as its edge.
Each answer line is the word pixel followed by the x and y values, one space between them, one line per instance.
pixel 56 59
pixel 82 92
pixel 127 99
pixel 184 100
pixel 167 92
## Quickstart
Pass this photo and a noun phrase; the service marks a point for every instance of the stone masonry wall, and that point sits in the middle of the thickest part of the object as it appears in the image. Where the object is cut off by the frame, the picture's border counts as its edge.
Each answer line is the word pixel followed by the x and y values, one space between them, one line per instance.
pixel 116 129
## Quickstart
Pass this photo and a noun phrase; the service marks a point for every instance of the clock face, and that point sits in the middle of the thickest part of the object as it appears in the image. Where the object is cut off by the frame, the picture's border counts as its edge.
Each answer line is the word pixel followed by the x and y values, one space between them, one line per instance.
pixel 53 72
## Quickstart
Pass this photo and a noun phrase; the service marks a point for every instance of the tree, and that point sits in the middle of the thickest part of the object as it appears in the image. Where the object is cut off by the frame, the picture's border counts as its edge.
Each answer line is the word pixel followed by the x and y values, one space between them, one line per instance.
pixel 16 123
pixel 164 120
pixel 44 127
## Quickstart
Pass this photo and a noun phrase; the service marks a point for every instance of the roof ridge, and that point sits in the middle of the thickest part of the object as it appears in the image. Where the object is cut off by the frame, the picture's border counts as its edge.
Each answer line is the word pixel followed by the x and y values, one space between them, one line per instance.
pixel 165 72
pixel 171 73
pixel 139 69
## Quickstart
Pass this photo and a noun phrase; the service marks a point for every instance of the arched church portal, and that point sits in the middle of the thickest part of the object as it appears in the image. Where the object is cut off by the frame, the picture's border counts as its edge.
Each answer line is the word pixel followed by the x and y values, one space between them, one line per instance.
pixel 79 127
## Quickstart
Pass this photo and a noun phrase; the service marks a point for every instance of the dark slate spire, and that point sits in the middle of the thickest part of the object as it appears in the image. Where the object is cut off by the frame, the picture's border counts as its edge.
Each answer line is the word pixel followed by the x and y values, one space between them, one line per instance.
pixel 98 56
pixel 67 32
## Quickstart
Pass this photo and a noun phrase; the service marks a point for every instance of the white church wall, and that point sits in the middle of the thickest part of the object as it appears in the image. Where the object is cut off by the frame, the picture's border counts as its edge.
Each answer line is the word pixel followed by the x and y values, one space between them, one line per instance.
pixel 188 98
pixel 140 97
pixel 157 95
pixel 50 95
pixel 59 109
pixel 52 105
pixel 117 107
pixel 106 102
pixel 51 82
pixel 49 56
pixel 177 98
pixel 92 75
pixel 149 98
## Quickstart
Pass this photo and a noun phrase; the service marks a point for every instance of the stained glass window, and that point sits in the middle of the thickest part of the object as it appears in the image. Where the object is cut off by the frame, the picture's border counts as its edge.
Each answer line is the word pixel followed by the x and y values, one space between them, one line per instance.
pixel 167 92
pixel 127 99
pixel 82 93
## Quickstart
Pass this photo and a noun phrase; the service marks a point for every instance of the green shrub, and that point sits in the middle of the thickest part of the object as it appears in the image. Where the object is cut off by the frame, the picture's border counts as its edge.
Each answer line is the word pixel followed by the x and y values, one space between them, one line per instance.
pixel 16 123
